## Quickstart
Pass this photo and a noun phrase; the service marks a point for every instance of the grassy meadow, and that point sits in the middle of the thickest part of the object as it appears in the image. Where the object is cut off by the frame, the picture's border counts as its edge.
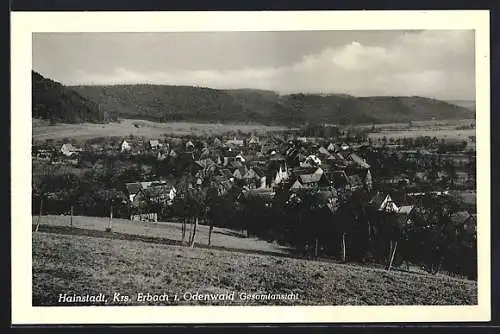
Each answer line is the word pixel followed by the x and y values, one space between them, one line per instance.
pixel 168 232
pixel 81 264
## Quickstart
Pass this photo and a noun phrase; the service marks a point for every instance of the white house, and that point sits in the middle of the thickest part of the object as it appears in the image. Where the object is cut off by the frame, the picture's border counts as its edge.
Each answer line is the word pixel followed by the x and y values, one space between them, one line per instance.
pixel 313 160
pixel 69 150
pixel 384 203
pixel 239 158
pixel 155 144
pixel 125 146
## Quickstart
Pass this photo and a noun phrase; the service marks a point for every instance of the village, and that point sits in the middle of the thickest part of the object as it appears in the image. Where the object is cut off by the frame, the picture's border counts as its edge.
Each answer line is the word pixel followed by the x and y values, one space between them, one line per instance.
pixel 146 179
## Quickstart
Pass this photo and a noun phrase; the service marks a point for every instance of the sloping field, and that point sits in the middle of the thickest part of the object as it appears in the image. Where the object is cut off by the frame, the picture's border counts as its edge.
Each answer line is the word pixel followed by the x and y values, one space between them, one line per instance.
pixel 141 128
pixel 84 265
pixel 221 237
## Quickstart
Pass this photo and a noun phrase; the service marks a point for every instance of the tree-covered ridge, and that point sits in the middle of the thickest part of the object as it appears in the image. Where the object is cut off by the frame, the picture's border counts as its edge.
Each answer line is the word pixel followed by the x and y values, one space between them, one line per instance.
pixel 185 103
pixel 56 103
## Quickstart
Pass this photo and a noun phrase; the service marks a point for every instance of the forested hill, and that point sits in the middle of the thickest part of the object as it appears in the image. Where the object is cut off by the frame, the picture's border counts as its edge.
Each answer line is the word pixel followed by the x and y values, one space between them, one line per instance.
pixel 59 104
pixel 176 103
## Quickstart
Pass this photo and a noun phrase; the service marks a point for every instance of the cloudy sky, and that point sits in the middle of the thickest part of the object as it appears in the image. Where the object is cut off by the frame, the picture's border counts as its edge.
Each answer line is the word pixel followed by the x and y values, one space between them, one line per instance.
pixel 433 63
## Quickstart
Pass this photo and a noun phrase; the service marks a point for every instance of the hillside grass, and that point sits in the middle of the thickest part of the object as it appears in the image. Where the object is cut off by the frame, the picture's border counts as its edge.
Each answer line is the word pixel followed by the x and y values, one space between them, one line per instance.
pixel 168 232
pixel 80 265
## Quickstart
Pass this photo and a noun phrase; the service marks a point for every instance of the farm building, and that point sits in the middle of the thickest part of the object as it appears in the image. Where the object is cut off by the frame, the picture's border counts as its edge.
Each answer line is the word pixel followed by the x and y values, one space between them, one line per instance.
pixel 155 144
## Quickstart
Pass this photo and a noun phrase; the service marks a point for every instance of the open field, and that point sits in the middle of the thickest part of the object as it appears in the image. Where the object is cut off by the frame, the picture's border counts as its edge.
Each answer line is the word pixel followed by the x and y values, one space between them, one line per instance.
pixel 441 129
pixel 126 127
pixel 221 237
pixel 439 133
pixel 420 124
pixel 85 265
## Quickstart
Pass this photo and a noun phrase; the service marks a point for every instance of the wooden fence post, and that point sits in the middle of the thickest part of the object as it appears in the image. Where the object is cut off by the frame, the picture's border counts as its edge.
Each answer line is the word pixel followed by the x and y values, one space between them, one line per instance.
pixel 392 255
pixel 71 217
pixel 344 256
pixel 316 247
pixel 110 218
pixel 39 214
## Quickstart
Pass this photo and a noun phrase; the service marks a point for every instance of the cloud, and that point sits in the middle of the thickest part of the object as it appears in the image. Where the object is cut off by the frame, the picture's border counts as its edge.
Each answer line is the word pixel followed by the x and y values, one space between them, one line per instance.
pixel 430 63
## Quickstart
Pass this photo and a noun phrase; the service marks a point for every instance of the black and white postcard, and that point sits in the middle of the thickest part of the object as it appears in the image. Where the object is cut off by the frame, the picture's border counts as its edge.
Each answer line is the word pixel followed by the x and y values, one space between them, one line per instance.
pixel 242 167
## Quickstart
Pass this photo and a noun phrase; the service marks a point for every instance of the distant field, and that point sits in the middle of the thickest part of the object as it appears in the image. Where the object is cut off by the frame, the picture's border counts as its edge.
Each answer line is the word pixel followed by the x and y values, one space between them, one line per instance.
pixel 440 129
pixel 145 129
pixel 81 265
pixel 435 132
pixel 420 124
pixel 220 236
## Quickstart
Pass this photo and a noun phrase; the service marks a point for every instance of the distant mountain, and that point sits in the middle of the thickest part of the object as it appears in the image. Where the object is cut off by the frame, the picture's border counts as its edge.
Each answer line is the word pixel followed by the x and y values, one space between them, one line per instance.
pixel 464 103
pixel 186 103
pixel 59 104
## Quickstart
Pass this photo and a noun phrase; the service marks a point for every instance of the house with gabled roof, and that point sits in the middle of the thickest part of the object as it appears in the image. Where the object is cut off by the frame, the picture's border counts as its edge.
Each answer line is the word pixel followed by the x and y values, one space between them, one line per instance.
pixel 217 142
pixel 125 146
pixel 239 157
pixel 339 179
pixel 69 150
pixel 240 172
pixel 204 163
pixel 332 148
pixel 323 151
pixel 355 182
pixel 383 202
pixel 313 180
pixel 149 199
pixel 463 221
pixel 189 145
pixel 133 189
pixel 253 141
pixel 360 162
pixel 255 177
